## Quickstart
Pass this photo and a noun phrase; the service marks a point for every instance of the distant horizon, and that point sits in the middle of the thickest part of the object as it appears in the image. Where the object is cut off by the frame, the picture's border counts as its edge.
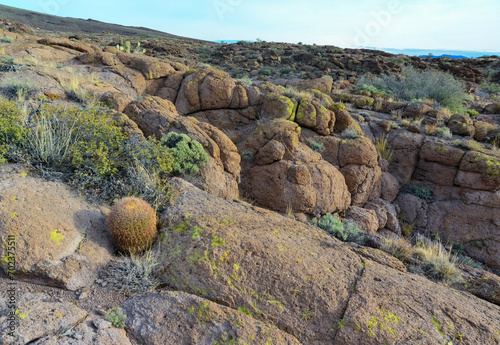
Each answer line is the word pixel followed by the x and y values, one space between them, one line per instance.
pixel 435 24
pixel 405 51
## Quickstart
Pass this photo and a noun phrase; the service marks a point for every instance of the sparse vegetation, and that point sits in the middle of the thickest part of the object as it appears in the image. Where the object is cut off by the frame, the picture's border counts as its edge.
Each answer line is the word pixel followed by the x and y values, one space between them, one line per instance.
pixel 426 257
pixel 7 39
pixel 292 92
pixel 413 84
pixel 116 316
pixel 346 231
pixel 350 134
pixel 136 274
pixel 20 90
pixel 419 191
pixel 443 132
pixel 383 150
pixel 317 146
pixel 189 155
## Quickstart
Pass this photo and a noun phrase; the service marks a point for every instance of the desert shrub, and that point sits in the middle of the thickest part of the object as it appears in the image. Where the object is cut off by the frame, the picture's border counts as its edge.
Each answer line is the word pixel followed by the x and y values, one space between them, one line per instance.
pixel 85 148
pixel 292 92
pixel 472 112
pixel 239 74
pixel 116 316
pixel 347 231
pixel 443 132
pixel 189 155
pixel 132 224
pixel 13 132
pixel 490 88
pixel 350 134
pixel 383 150
pixel 317 146
pixel 7 39
pixel 413 84
pixel 134 274
pixel 266 71
pixel 419 191
pixel 20 90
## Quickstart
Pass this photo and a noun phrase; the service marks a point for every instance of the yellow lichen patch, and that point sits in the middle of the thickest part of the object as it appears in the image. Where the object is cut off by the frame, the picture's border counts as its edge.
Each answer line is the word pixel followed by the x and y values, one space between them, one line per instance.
pixel 56 237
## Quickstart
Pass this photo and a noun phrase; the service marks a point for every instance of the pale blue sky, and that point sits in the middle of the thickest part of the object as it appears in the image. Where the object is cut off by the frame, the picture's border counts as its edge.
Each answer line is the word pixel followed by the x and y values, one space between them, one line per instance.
pixel 429 24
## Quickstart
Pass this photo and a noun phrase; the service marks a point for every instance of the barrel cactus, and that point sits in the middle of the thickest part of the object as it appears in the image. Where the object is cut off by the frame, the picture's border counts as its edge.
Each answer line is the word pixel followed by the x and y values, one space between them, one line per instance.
pixel 132 223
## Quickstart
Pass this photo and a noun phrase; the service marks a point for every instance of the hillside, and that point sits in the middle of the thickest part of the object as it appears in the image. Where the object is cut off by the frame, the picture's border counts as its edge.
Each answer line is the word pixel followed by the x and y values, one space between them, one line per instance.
pixel 301 194
pixel 76 26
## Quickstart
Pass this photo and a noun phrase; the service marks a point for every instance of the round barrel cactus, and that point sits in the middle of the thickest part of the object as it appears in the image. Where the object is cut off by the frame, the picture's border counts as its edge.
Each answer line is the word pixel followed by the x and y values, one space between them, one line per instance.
pixel 132 223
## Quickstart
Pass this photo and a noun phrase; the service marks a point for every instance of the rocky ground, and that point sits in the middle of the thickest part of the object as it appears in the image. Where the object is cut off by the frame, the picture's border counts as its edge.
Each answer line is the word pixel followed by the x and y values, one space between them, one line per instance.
pixel 257 271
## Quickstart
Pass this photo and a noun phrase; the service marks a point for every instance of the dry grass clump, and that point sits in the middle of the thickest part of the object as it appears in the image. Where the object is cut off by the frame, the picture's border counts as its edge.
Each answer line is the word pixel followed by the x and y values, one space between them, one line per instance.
pixel 430 129
pixel 383 150
pixel 426 257
pixel 436 262
pixel 400 248
pixel 133 274
pixel 292 92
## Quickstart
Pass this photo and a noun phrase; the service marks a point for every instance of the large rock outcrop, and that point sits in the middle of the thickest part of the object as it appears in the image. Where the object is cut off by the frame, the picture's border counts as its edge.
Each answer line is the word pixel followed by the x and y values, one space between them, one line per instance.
pixel 285 272
pixel 60 239
pixel 157 117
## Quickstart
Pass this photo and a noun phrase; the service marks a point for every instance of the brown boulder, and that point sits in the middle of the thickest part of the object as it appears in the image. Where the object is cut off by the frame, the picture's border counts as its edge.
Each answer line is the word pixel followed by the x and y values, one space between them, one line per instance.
pixel 393 307
pixel 417 110
pixel 493 108
pixel 60 239
pixel 343 121
pixel 278 107
pixel 363 182
pixel 269 153
pixel 406 148
pixel 359 151
pixel 439 174
pixel 150 67
pixel 194 320
pixel 413 209
pixel 462 125
pixel 321 84
pixel 479 171
pixel 246 257
pixel 437 152
pixel 171 86
pixel 313 115
pixel 156 116
pixel 389 187
pixel 474 225
pixel 216 91
pixel 365 218
pixel 313 188
pixel 330 143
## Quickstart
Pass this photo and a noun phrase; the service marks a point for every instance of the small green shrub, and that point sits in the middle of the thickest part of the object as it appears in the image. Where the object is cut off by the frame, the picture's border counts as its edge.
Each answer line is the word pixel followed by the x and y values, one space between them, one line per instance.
pixel 266 71
pixel 317 146
pixel 132 224
pixel 116 316
pixel 350 134
pixel 472 112
pixel 13 132
pixel 421 192
pixel 443 132
pixel 7 39
pixel 345 231
pixel 189 155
